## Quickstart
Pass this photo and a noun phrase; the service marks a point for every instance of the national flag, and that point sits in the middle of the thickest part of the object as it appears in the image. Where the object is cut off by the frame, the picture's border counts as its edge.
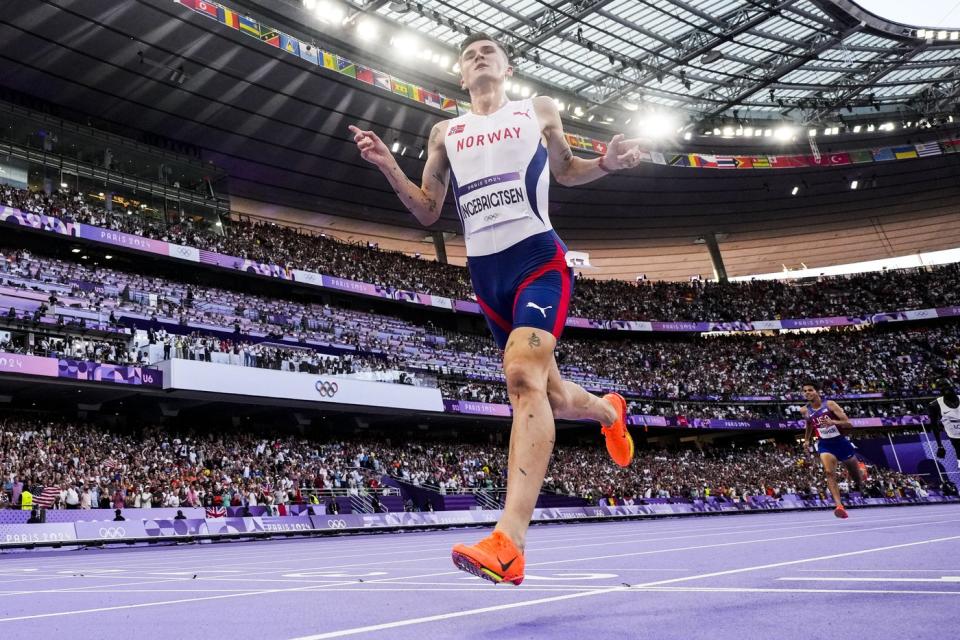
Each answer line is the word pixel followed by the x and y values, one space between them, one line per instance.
pixel 329 61
pixel 364 74
pixel 645 156
pixel 707 161
pixel 881 155
pixel 448 105
pixel 927 149
pixel 208 9
pixel 760 162
pixel 216 512
pixel 785 162
pixel 382 80
pixel 431 99
pixel 416 93
pixel 658 157
pixel 455 129
pixel 743 162
pixel 463 107
pixel 599 146
pixel 904 153
pixel 694 159
pixel 726 162
pixel 951 146
pixel 346 67
pixel 110 463
pixel 47 497
pixel 830 159
pixel 271 37
pixel 680 161
pixel 309 53
pixel 858 157
pixel 400 87
pixel 290 45
pixel 228 17
pixel 249 25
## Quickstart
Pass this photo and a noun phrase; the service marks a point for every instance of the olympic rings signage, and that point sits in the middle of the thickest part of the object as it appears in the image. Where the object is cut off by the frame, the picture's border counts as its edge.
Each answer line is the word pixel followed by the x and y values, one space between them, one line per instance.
pixel 112 532
pixel 336 524
pixel 326 389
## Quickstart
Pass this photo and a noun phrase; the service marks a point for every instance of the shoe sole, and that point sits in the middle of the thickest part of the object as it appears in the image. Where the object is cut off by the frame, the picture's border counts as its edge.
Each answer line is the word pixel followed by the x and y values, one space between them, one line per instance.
pixel 469 565
pixel 623 416
pixel 840 514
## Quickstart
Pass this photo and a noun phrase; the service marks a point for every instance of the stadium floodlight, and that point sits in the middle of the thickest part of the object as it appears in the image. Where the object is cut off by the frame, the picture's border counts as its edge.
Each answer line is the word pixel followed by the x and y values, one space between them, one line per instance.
pixel 396 146
pixel 367 29
pixel 857 128
pixel 716 131
pixel 444 61
pixel 784 133
pixel 812 133
pixel 405 44
pixel 687 136
pixel 854 184
pixel 921 33
pixel 591 117
pixel 75 250
pixel 577 111
pixel 329 12
pixel 748 132
pixel 525 91
pixel 63 185
pixel 767 133
pixel 728 132
pixel 955 35
pixel 871 128
pixel 560 105
pixel 943 35
pixel 657 124
pixel 795 191
pixel 108 257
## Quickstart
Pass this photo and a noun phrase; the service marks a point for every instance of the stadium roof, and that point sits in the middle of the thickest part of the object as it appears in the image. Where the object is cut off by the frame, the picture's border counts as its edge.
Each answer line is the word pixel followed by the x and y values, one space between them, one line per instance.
pixel 803 59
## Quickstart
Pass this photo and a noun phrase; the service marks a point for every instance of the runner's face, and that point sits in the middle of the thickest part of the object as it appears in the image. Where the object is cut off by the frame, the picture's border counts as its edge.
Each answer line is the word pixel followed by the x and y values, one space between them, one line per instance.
pixel 810 393
pixel 483 61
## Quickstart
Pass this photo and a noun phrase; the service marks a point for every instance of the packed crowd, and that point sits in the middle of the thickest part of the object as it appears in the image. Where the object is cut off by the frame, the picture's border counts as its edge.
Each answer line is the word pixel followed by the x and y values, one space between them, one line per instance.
pixel 857 295
pixel 286 334
pixel 92 467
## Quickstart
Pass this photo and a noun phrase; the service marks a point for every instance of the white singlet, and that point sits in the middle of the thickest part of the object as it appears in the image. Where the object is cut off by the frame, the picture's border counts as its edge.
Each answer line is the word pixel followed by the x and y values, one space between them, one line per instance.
pixel 500 176
pixel 950 417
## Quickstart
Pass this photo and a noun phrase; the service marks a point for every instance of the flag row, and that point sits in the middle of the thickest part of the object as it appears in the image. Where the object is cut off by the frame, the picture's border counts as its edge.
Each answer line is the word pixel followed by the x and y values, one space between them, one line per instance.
pixel 337 63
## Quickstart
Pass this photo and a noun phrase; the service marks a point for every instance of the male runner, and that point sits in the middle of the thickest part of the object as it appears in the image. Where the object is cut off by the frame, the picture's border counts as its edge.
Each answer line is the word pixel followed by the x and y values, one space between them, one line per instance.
pixel 944 415
pixel 827 418
pixel 496 157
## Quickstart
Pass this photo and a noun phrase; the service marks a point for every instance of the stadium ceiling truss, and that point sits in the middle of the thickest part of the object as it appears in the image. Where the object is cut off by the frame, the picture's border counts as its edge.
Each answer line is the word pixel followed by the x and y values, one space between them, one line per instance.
pixel 806 60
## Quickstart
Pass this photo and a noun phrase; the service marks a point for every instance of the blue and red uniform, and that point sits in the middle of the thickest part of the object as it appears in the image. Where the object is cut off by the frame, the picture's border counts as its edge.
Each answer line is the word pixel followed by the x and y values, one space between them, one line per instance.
pixel 829 438
pixel 499 173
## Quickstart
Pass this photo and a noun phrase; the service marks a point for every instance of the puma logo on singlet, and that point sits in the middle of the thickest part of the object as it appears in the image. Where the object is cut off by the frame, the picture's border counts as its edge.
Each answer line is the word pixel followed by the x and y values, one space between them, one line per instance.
pixel 525 114
pixel 542 310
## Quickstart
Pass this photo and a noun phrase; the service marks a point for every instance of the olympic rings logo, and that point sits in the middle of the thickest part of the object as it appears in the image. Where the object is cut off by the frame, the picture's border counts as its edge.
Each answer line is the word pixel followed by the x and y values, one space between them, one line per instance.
pixel 113 532
pixel 336 524
pixel 326 389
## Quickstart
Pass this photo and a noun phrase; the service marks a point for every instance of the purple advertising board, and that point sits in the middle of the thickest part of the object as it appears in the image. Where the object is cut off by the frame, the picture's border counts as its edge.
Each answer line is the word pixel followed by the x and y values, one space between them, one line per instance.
pixel 80 370
pixel 24 533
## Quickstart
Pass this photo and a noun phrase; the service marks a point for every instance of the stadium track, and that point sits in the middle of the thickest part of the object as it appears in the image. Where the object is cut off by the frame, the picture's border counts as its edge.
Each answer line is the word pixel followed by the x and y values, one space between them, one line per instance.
pixel 883 573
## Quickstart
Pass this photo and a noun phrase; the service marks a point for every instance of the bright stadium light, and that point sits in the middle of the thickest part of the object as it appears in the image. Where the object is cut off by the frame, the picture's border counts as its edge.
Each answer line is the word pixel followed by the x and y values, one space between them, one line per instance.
pixel 405 45
pixel 396 146
pixel 784 133
pixel 577 111
pixel 921 33
pixel 854 184
pixel 728 132
pixel 657 124
pixel 857 128
pixel 795 191
pixel 525 91
pixel 367 29
pixel 329 12
pixel 813 133
pixel 748 132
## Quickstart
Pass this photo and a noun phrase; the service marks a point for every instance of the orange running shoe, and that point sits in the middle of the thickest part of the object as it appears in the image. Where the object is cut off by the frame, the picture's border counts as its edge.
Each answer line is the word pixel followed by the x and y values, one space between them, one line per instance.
pixel 840 512
pixel 619 441
pixel 495 558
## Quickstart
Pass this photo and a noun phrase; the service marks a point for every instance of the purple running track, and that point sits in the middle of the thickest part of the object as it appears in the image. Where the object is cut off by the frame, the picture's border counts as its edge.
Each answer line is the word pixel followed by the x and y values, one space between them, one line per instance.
pixel 883 573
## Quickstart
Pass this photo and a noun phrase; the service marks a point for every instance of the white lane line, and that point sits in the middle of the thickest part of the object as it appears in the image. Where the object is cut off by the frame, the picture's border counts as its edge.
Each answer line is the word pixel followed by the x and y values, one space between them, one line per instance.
pixel 761 590
pixel 941 579
pixel 880 570
pixel 733 544
pixel 528 603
